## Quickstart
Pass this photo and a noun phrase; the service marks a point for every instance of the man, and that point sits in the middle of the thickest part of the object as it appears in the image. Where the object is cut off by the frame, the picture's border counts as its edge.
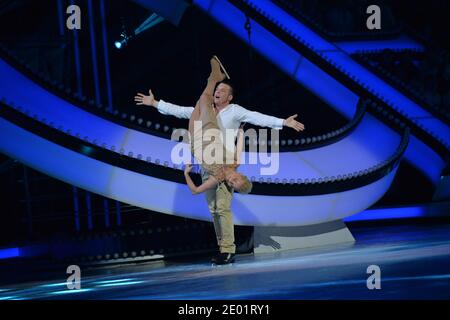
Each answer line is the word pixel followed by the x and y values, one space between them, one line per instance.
pixel 229 116
pixel 203 130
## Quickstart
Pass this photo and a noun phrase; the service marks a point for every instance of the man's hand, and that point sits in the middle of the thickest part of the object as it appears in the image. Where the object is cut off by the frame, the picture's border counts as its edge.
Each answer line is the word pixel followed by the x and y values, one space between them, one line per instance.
pixel 294 124
pixel 187 168
pixel 149 100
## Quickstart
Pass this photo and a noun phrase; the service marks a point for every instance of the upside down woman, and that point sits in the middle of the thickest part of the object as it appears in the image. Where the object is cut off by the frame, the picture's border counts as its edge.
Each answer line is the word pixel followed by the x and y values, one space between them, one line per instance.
pixel 204 136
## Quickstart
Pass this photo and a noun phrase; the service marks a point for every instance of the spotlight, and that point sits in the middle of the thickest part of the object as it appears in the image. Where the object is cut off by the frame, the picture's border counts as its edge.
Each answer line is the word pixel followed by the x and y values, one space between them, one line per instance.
pixel 126 36
pixel 123 41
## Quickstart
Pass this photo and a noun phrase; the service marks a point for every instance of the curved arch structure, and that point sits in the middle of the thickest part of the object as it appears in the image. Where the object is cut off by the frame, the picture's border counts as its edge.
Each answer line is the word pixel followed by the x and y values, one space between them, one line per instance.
pixel 174 198
pixel 357 151
pixel 352 153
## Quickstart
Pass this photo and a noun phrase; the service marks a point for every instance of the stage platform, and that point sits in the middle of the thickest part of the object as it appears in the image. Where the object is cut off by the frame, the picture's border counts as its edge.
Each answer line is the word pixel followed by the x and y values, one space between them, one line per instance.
pixel 414 262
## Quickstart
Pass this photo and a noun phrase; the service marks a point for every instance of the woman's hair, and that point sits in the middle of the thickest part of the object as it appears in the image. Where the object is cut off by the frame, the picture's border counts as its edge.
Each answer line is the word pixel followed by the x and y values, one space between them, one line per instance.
pixel 246 186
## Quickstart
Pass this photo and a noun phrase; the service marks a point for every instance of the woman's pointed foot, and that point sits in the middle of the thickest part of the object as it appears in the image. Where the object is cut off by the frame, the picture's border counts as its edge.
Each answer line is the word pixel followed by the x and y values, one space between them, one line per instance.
pixel 222 68
pixel 218 72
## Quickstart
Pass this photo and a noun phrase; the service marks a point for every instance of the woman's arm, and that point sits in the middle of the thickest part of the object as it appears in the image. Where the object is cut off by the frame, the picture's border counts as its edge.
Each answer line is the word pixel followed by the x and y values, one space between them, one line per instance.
pixel 208 184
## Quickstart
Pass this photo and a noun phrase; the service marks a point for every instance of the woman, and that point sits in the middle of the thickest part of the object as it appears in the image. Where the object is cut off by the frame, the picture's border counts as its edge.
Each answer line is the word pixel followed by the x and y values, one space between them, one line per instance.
pixel 201 139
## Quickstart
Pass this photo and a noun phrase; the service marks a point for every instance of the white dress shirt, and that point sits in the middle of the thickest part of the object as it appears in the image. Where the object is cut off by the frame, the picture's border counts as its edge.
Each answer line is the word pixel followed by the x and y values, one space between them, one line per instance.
pixel 230 117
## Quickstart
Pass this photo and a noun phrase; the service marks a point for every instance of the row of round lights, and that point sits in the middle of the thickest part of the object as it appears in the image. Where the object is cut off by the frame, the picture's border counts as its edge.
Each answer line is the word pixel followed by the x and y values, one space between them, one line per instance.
pixel 166 163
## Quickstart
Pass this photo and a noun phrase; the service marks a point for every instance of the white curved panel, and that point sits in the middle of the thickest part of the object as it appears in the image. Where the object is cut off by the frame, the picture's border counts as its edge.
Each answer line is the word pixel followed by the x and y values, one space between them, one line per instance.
pixel 174 198
pixel 350 154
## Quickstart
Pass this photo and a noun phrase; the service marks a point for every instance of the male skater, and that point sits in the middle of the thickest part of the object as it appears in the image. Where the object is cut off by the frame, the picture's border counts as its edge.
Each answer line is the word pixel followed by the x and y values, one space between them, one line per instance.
pixel 205 134
pixel 229 116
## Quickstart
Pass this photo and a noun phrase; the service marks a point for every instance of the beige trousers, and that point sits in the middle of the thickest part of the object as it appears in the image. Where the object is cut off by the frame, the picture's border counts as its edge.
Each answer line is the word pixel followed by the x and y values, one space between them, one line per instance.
pixel 219 204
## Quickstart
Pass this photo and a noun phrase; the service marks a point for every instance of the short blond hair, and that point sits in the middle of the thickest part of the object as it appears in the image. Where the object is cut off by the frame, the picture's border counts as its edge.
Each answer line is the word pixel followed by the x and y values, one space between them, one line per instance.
pixel 246 185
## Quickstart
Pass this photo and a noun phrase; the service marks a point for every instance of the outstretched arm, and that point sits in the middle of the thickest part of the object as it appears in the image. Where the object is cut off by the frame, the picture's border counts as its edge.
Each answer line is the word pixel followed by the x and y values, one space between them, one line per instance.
pixel 208 184
pixel 162 106
pixel 264 120
pixel 294 124
pixel 143 100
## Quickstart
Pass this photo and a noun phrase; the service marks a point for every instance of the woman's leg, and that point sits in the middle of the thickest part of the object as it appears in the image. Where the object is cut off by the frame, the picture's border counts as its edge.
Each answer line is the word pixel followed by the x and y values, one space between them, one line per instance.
pixel 205 102
pixel 195 116
pixel 216 75
pixel 204 112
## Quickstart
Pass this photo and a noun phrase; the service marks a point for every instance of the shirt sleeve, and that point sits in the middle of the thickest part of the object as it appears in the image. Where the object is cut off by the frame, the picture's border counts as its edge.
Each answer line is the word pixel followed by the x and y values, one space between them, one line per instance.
pixel 174 110
pixel 258 118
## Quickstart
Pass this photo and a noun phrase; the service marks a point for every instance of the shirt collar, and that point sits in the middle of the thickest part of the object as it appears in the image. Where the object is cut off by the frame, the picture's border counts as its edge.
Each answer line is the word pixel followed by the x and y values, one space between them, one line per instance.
pixel 224 109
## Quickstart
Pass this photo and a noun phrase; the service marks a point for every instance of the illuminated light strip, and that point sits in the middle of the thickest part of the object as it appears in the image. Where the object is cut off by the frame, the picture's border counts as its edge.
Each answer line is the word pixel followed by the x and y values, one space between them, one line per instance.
pixel 94 52
pixel 78 67
pixel 400 43
pixel 171 198
pixel 120 284
pixel 426 210
pixel 52 285
pixel 106 56
pixel 391 213
pixel 69 291
pixel 112 281
pixel 9 253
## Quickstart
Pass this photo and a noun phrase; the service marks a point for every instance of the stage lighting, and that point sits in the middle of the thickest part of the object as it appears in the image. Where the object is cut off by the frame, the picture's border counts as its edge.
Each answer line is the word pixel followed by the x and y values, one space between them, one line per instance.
pixel 126 36
pixel 123 41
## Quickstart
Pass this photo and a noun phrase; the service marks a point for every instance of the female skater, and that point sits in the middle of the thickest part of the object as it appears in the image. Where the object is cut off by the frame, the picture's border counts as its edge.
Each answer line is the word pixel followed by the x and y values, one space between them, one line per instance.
pixel 206 137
